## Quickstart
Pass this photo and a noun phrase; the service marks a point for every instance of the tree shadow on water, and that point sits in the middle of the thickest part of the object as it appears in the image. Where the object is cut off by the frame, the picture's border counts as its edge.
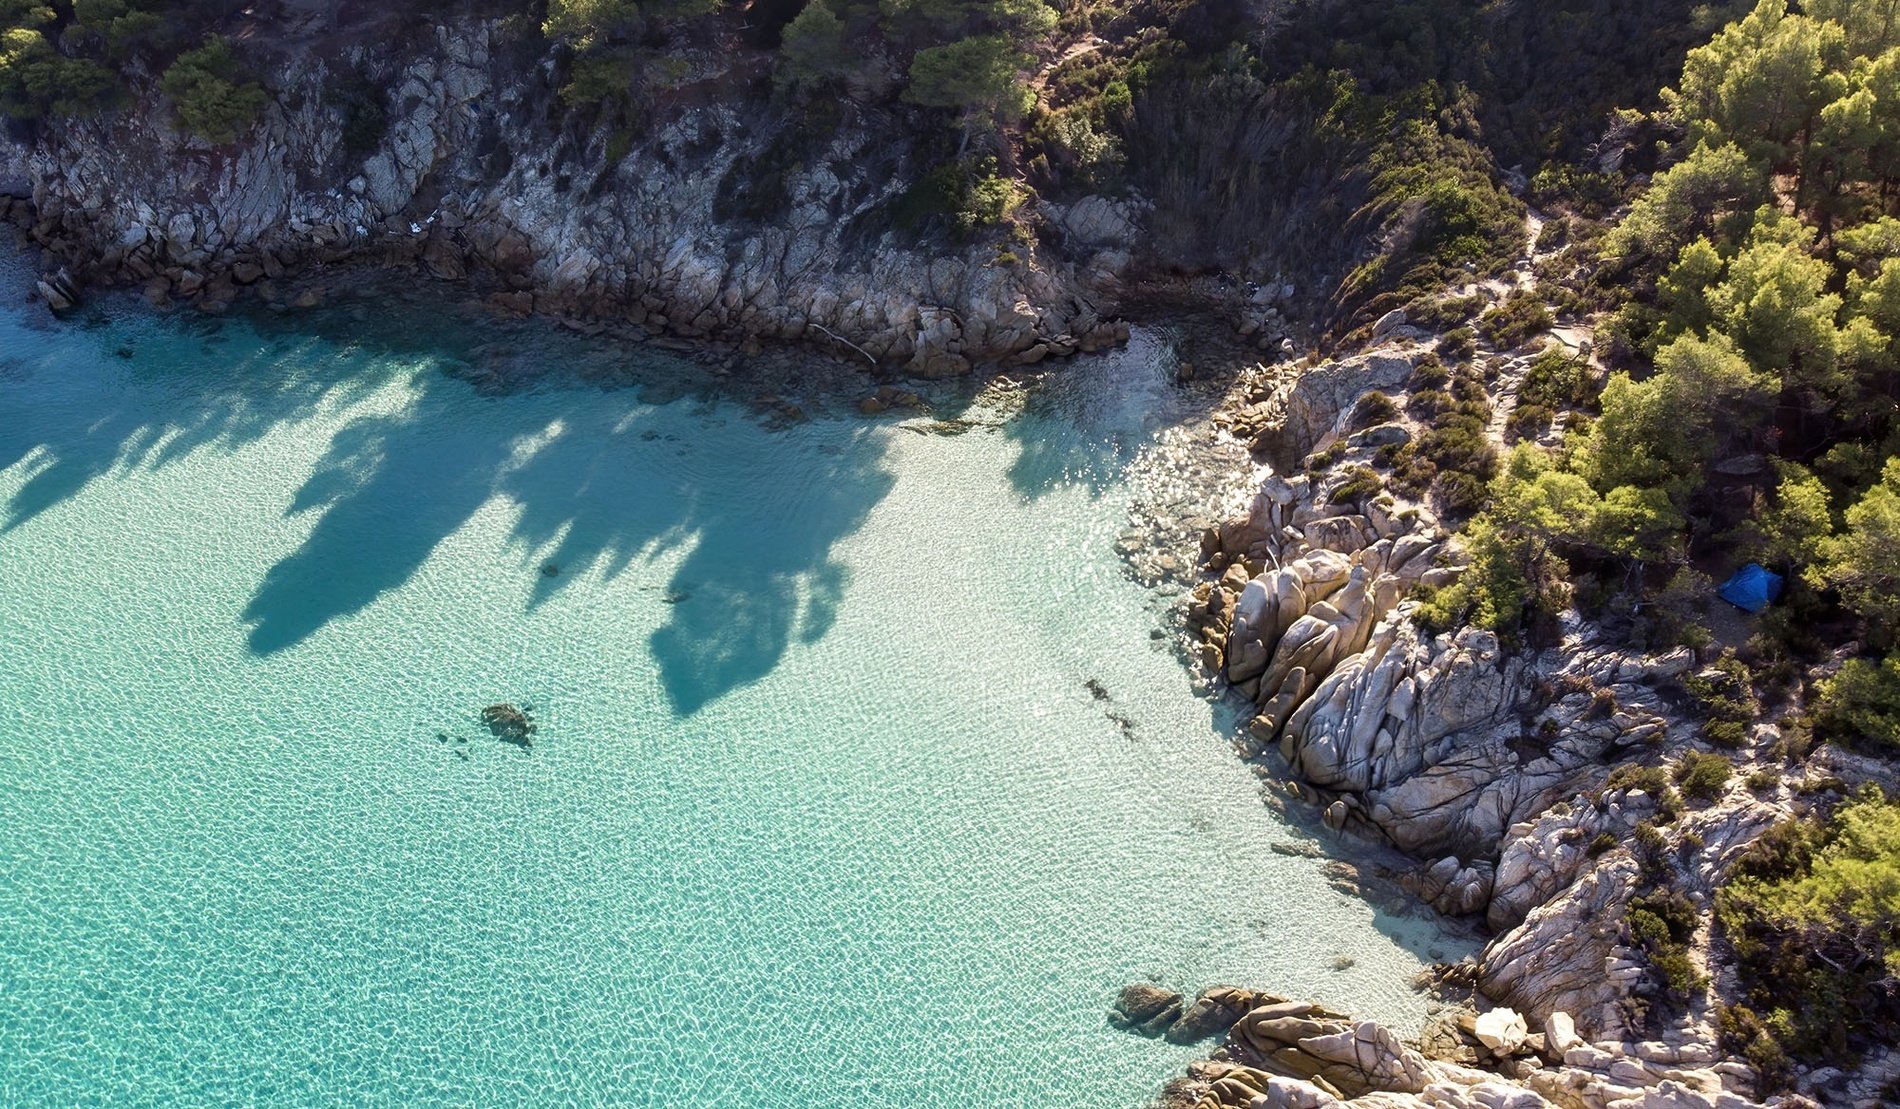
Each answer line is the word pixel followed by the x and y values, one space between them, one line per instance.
pixel 761 512
pixel 390 489
pixel 137 409
pixel 600 479
pixel 763 595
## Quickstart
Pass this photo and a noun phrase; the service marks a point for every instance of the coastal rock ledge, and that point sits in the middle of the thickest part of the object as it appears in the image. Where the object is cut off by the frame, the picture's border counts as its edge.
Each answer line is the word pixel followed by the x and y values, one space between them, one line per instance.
pixel 1282 1054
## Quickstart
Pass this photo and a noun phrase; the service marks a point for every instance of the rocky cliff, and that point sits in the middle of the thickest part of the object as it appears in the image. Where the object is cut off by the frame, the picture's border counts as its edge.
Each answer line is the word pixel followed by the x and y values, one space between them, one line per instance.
pixel 723 220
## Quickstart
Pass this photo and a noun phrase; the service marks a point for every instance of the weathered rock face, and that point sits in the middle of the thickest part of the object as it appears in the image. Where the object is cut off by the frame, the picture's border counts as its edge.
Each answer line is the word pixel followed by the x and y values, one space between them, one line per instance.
pixel 1290 409
pixel 690 232
pixel 1584 974
pixel 1311 407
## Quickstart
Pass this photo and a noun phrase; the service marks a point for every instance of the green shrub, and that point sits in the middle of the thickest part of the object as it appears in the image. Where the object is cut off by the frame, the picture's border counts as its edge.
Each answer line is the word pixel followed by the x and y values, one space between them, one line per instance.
pixel 1602 845
pixel 1428 404
pixel 1076 148
pixel 1588 194
pixel 1662 922
pixel 1739 1031
pixel 1703 776
pixel 963 197
pixel 1362 483
pixel 37 80
pixel 1654 781
pixel 1678 970
pixel 978 77
pixel 1797 738
pixel 602 75
pixel 211 94
pixel 1458 447
pixel 1529 421
pixel 1515 320
pixel 1673 615
pixel 1429 372
pixel 1862 703
pixel 1461 494
pixel 1561 298
pixel 1374 408
pixel 1322 460
pixel 1725 693
pixel 1457 441
pixel 1458 344
pixel 619 145
pixel 1672 909
pixel 1556 379
pixel 1435 196
pixel 812 47
pixel 1410 473
pixel 1437 313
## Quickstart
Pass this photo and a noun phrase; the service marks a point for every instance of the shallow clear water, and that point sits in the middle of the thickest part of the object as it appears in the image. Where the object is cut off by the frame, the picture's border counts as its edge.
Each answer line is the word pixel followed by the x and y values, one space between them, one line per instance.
pixel 820 812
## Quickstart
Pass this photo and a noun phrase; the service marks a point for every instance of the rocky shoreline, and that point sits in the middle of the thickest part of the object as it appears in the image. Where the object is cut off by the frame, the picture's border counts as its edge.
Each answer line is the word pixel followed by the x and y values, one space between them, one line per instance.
pixel 1278 1053
pixel 1489 780
pixel 1480 772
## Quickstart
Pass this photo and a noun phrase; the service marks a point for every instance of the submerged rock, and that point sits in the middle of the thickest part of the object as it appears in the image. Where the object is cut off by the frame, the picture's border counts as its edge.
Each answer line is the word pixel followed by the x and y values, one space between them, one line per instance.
pixel 509 724
pixel 1145 1008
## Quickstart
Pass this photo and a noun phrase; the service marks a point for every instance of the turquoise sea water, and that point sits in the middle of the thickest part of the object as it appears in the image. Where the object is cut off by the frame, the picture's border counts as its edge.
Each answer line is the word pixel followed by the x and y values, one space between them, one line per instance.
pixel 820 812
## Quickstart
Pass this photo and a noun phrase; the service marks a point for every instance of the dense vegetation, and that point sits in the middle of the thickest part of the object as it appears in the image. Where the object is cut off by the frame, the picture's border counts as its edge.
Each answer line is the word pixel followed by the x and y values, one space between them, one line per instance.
pixel 1814 918
pixel 70 57
pixel 1389 121
pixel 1756 290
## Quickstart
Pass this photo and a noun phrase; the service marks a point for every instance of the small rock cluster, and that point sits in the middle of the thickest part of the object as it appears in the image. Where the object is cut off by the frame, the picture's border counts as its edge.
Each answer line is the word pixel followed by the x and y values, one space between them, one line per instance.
pixel 1153 1011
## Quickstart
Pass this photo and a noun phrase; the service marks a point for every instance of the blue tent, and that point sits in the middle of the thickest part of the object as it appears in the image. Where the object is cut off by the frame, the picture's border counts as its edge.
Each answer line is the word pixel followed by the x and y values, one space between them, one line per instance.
pixel 1752 588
